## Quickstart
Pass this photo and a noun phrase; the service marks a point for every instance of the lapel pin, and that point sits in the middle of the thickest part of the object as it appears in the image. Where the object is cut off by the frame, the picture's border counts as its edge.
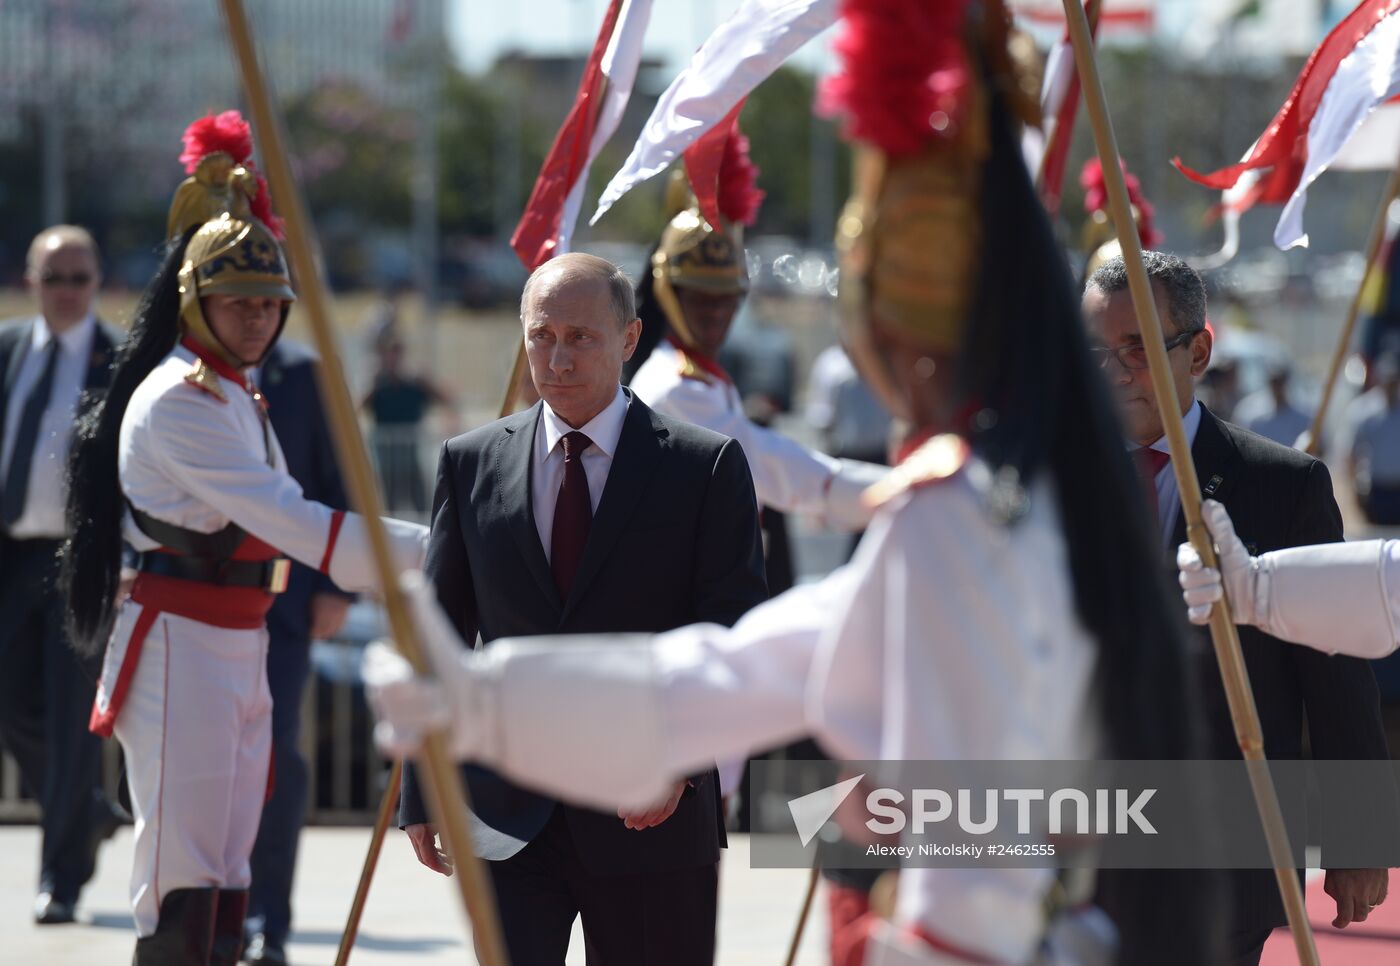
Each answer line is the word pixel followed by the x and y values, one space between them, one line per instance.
pixel 1213 484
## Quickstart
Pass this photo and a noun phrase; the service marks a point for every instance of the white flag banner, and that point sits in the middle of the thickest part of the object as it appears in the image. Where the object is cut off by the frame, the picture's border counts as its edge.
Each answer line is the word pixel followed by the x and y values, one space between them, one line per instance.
pixel 1367 77
pixel 1376 144
pixel 737 57
pixel 1059 69
pixel 619 65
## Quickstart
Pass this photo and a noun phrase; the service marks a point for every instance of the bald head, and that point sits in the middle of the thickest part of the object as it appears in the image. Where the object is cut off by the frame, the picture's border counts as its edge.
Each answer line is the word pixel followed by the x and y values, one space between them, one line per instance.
pixel 56 237
pixel 63 273
pixel 580 268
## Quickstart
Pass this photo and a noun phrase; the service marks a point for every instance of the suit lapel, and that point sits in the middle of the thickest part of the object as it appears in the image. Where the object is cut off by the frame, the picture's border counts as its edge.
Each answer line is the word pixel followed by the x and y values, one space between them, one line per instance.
pixel 513 489
pixel 22 337
pixel 634 463
pixel 1215 457
pixel 17 341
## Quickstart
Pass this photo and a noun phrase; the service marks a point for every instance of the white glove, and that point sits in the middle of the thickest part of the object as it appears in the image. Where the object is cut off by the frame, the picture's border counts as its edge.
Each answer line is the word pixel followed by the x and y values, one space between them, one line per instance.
pixel 409 706
pixel 1202 586
pixel 406 707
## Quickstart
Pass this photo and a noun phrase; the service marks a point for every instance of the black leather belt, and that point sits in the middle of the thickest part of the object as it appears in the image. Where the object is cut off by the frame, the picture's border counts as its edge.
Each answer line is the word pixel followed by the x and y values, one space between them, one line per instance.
pixel 268 575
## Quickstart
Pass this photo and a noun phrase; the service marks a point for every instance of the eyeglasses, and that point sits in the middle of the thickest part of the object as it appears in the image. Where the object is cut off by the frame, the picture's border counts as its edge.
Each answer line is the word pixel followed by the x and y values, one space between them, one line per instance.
pixel 1133 356
pixel 74 280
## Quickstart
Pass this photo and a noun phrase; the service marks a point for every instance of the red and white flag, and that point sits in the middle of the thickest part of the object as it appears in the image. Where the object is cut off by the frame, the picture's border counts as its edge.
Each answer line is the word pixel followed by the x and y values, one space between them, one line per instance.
pixel 1355 70
pixel 1047 150
pixel 547 225
pixel 741 53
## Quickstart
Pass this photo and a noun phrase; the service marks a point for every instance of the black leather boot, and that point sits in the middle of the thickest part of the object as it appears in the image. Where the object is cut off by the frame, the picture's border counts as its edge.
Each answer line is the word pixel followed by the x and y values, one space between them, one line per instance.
pixel 230 912
pixel 183 933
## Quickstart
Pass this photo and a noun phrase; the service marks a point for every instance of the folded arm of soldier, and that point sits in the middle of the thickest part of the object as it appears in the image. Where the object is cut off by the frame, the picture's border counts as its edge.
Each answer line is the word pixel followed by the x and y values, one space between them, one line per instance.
pixel 1342 598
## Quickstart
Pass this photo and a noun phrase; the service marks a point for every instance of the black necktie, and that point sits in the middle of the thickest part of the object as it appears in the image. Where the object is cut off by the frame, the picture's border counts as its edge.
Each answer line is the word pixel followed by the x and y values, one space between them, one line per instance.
pixel 573 515
pixel 26 435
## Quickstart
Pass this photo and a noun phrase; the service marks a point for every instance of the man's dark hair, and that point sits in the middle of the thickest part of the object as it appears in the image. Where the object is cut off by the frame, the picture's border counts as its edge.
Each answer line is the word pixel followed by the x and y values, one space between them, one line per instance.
pixel 1178 281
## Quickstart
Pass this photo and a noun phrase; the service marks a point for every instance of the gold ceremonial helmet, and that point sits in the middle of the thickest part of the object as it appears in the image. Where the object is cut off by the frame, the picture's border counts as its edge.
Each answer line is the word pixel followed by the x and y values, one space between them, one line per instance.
pixel 231 253
pixel 910 237
pixel 692 253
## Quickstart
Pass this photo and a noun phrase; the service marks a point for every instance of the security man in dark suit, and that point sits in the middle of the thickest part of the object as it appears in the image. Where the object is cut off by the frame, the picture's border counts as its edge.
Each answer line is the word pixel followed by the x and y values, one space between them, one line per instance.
pixel 1278 497
pixel 311 608
pixel 589 512
pixel 54 366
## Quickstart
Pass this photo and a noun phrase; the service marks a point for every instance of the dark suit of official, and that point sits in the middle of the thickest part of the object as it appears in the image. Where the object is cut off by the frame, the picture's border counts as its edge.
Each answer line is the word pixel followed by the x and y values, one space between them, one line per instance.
pixel 1278 497
pixel 46 690
pixel 674 541
pixel 288 380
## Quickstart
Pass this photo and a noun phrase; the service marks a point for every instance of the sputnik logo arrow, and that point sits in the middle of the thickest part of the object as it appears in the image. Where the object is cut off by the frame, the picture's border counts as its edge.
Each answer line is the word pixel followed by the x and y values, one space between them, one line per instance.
pixel 811 811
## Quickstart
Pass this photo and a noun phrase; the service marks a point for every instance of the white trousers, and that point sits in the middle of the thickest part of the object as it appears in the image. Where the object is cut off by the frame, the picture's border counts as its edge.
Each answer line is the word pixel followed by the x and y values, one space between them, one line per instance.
pixel 196 727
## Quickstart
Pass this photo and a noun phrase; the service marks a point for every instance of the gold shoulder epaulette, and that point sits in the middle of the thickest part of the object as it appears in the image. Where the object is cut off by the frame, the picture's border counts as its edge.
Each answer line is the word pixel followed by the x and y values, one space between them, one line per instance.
pixel 937 460
pixel 203 377
pixel 689 370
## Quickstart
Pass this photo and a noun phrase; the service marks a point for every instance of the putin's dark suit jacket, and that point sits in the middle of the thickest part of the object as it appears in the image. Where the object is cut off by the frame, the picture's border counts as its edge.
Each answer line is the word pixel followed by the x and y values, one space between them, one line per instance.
pixel 674 541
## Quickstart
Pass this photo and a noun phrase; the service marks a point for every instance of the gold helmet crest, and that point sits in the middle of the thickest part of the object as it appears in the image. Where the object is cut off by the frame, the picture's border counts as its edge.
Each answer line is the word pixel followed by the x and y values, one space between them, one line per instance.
pixel 235 248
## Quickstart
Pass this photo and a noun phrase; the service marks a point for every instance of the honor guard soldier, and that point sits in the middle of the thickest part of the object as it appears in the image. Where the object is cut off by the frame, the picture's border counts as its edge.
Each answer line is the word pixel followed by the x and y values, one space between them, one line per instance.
pixel 181 462
pixel 698 277
pixel 997 607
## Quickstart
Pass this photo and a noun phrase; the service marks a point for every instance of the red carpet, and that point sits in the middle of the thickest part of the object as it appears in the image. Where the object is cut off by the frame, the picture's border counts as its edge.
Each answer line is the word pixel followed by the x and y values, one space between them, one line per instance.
pixel 1375 942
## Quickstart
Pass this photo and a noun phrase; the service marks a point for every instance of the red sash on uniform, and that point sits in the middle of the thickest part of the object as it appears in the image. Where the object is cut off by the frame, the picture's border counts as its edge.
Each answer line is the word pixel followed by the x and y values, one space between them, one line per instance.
pixel 239 608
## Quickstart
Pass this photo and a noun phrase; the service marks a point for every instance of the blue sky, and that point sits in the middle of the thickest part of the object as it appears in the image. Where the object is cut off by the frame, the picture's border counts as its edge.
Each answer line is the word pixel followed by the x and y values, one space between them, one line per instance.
pixel 481 29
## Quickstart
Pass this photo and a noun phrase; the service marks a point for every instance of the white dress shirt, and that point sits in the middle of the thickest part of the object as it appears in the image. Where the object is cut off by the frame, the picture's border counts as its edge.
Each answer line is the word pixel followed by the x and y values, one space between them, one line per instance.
pixel 547 469
pixel 47 495
pixel 1168 497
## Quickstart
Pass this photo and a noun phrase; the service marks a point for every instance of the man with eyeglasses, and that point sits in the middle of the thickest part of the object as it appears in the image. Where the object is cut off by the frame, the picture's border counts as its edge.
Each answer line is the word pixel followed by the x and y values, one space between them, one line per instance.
pixel 1278 497
pixel 53 367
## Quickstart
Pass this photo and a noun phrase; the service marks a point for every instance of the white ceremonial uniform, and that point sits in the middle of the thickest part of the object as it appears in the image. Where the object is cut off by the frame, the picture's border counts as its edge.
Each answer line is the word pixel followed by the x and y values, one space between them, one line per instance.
pixel 786 475
pixel 184 683
pixel 900 655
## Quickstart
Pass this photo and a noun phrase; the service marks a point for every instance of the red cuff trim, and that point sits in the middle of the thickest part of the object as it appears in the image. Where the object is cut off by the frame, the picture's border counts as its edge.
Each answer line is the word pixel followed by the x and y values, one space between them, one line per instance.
pixel 337 518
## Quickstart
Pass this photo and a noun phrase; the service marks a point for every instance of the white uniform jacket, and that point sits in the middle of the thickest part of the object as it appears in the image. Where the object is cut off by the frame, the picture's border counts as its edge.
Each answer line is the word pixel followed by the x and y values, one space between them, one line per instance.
pixel 786 475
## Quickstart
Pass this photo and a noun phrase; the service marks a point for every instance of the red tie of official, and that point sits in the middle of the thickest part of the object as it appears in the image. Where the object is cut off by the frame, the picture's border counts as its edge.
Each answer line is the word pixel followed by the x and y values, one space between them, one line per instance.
pixel 573 515
pixel 1149 462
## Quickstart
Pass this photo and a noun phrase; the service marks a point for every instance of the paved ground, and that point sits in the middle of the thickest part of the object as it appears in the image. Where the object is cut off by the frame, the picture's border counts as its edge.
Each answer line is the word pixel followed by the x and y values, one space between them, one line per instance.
pixel 410 919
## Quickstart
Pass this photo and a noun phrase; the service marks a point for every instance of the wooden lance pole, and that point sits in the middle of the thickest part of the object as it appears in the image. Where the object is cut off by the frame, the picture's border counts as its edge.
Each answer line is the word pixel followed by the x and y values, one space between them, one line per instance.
pixel 1243 712
pixel 511 394
pixel 1373 246
pixel 446 795
pixel 1065 131
pixel 376 843
pixel 804 913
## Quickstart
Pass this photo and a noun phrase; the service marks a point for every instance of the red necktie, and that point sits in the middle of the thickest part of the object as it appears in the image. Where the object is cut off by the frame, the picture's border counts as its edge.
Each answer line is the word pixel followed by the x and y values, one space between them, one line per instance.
pixel 573 515
pixel 1149 462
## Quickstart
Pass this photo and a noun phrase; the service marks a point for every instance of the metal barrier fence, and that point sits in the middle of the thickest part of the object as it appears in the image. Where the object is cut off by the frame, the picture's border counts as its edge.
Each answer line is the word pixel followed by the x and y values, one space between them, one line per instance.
pixel 345 773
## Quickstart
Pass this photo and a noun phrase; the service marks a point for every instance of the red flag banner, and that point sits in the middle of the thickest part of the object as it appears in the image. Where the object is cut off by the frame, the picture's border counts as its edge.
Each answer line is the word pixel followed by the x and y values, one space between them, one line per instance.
pixel 536 237
pixel 1353 70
